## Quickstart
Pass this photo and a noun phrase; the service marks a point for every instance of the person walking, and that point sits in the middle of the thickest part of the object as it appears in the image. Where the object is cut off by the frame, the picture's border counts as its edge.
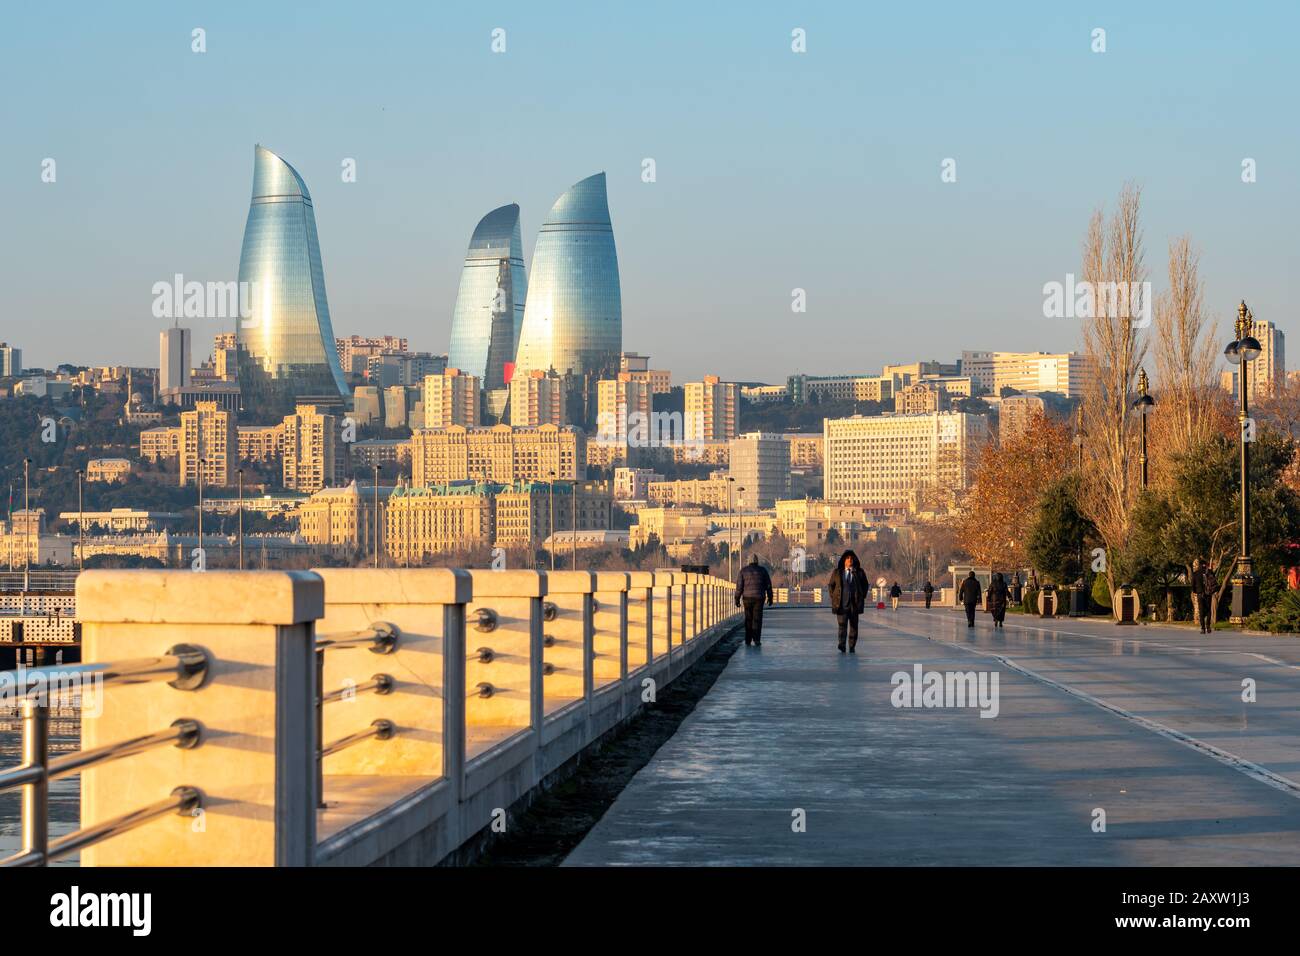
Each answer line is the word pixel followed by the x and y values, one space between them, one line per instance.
pixel 848 588
pixel 929 592
pixel 969 596
pixel 997 602
pixel 894 594
pixel 1204 586
pixel 753 584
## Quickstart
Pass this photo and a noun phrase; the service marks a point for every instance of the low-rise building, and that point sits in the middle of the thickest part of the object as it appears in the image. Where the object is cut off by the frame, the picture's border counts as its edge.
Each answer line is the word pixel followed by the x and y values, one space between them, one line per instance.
pixel 108 469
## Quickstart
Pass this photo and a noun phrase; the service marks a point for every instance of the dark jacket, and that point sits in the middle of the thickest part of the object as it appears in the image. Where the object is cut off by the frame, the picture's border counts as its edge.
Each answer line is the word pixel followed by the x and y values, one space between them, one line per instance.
pixel 853 602
pixel 969 592
pixel 929 588
pixel 1205 583
pixel 895 591
pixel 754 582
pixel 997 600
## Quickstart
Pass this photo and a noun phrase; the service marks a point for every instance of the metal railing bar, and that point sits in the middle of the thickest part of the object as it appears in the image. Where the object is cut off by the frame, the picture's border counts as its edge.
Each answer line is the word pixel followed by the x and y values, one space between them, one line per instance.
pixel 379 683
pixel 183 800
pixel 381 637
pixel 183 666
pixel 183 733
pixel 20 776
pixel 382 729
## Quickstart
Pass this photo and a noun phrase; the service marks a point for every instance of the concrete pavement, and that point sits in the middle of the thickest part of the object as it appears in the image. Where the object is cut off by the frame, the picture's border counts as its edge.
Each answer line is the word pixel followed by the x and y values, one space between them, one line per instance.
pixel 798 756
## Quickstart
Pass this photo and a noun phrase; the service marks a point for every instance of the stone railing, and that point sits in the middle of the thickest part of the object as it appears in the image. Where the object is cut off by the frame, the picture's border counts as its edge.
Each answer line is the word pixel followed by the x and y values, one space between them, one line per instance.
pixel 359 716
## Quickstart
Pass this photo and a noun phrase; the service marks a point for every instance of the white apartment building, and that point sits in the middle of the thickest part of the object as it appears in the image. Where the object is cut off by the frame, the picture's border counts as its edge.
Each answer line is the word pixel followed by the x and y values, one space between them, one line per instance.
pixel 1067 373
pixel 760 464
pixel 537 398
pixel 451 398
pixel 884 459
pixel 710 408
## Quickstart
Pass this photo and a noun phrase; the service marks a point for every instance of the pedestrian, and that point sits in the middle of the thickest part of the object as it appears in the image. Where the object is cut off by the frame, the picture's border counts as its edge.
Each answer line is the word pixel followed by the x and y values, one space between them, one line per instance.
pixel 969 596
pixel 848 588
pixel 929 592
pixel 894 594
pixel 1204 586
pixel 753 584
pixel 997 602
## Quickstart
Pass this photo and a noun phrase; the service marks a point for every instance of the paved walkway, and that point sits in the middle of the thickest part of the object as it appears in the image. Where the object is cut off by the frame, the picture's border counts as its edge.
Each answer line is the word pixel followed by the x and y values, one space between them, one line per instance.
pixel 1145 723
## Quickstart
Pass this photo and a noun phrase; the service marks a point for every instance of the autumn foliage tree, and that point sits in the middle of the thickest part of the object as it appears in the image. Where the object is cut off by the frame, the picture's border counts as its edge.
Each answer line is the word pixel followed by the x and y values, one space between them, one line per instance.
pixel 998 511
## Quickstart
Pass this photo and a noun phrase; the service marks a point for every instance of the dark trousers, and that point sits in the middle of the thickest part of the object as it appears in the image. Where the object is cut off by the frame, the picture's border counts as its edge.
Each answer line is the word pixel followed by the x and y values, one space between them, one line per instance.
pixel 927 599
pixel 848 627
pixel 753 619
pixel 1203 605
pixel 970 614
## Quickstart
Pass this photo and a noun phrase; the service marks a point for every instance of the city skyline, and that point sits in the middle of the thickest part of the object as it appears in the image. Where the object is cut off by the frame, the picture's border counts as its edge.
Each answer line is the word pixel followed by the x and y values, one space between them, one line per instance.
pixel 756 180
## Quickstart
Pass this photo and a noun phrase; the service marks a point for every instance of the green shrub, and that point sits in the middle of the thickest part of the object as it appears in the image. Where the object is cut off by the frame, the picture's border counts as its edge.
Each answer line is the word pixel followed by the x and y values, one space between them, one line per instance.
pixel 1282 618
pixel 1029 603
pixel 1101 592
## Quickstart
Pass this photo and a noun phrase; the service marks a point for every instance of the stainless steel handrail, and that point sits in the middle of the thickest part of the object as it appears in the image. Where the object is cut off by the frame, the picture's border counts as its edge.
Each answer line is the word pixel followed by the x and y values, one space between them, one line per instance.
pixel 379 683
pixel 183 666
pixel 381 637
pixel 184 733
pixel 382 729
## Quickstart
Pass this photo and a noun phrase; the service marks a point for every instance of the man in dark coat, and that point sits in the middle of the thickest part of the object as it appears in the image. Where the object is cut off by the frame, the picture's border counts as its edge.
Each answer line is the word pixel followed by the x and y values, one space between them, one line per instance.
pixel 752 586
pixel 1204 587
pixel 848 588
pixel 894 594
pixel 929 593
pixel 969 596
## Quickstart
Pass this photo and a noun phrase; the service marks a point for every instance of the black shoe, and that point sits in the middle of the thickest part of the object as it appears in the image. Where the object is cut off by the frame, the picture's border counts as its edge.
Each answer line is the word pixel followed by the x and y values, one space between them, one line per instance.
pixel 758 643
pixel 748 642
pixel 852 649
pixel 841 647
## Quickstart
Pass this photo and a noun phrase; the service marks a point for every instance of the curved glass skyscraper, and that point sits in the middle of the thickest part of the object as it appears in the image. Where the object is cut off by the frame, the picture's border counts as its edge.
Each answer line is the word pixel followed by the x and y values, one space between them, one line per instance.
pixel 286 343
pixel 490 303
pixel 573 320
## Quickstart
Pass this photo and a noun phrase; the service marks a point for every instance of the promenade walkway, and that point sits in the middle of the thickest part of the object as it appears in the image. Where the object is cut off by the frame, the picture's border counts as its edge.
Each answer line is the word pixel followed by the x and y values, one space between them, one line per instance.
pixel 1145 723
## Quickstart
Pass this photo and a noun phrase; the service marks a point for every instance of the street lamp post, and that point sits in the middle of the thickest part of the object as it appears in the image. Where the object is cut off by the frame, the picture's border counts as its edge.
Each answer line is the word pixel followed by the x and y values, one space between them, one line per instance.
pixel 573 529
pixel 27 528
pixel 550 524
pixel 1241 352
pixel 731 527
pixel 1079 593
pixel 240 473
pixel 81 523
pixel 1143 403
pixel 376 542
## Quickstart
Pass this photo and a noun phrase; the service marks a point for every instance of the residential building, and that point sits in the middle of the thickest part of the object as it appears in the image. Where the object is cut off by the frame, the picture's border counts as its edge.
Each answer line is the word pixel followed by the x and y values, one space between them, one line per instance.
pixel 1066 373
pixel 633 484
pixel 451 398
pixel 840 388
pixel 1015 413
pixel 343 520
pixel 528 512
pixel 501 453
pixel 537 398
pixel 311 454
pixel 805 449
pixel 437 519
pixel 710 410
pixel 174 358
pixel 760 464
pixel 638 366
pixel 209 445
pixel 260 443
pixel 158 444
pixel 11 361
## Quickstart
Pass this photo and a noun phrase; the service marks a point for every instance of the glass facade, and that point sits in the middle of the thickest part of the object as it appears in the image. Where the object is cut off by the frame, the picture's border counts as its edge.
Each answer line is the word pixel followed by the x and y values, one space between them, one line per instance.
pixel 573 320
pixel 490 303
pixel 286 343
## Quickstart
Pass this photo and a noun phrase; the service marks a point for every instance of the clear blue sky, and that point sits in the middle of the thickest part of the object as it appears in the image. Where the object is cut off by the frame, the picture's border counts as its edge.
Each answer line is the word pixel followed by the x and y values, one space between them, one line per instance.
pixel 775 170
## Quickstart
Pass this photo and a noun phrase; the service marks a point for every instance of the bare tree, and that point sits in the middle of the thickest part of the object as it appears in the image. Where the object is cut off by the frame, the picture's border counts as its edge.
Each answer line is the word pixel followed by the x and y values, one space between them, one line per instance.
pixel 1113 267
pixel 1186 359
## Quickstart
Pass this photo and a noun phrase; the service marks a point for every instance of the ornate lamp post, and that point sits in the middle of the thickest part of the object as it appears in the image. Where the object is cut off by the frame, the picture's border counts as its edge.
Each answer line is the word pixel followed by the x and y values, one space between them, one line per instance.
pixel 240 473
pixel 81 522
pixel 741 489
pixel 1241 352
pixel 1143 404
pixel 1079 591
pixel 376 542
pixel 550 523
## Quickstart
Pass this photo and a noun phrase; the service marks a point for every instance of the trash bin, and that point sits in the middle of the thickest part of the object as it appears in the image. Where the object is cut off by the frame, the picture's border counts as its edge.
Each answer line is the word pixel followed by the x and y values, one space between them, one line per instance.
pixel 1127 604
pixel 1047 599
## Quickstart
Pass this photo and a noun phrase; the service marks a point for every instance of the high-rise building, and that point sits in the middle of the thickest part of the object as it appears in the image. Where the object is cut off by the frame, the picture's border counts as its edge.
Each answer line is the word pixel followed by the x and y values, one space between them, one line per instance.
pixel 451 398
pixel 174 358
pixel 356 349
pixel 1015 413
pixel 501 454
pixel 710 410
pixel 312 458
pixel 489 309
pixel 638 366
pixel 208 446
pixel 287 350
pixel 1267 374
pixel 537 398
pixel 618 400
pixel 885 459
pixel 760 465
pixel 260 443
pixel 573 320
pixel 11 360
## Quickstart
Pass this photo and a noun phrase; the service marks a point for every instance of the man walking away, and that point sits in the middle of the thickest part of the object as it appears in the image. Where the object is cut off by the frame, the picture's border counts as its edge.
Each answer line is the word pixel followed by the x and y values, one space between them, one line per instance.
pixel 752 586
pixel 1204 587
pixel 848 588
pixel 894 594
pixel 969 596
pixel 929 593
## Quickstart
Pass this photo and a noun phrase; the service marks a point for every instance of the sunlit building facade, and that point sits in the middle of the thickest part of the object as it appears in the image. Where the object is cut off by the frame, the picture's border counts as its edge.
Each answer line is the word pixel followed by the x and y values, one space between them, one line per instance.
pixel 573 320
pixel 287 351
pixel 490 302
